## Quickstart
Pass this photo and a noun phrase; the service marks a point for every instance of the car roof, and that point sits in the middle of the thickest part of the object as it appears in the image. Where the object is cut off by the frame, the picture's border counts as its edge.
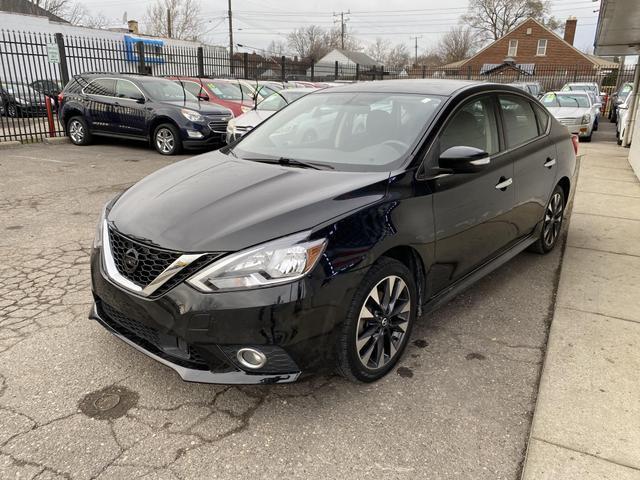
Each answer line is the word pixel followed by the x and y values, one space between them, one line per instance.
pixel 571 92
pixel 418 86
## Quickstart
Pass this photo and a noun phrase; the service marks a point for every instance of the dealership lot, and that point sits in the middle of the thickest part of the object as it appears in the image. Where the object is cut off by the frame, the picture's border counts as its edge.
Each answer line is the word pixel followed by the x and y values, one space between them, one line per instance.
pixel 77 403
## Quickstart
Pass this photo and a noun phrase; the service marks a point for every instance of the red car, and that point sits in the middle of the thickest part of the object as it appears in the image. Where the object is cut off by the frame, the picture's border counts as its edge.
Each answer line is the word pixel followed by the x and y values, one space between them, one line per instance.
pixel 221 92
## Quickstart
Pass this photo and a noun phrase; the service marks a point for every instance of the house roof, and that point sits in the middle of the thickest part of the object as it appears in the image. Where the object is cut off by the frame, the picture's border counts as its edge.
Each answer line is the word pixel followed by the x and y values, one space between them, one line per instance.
pixel 355 57
pixel 28 8
pixel 596 61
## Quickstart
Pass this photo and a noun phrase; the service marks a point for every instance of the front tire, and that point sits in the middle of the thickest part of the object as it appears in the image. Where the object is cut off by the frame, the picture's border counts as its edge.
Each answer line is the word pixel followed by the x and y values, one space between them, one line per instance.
pixel 166 139
pixel 379 322
pixel 551 223
pixel 12 111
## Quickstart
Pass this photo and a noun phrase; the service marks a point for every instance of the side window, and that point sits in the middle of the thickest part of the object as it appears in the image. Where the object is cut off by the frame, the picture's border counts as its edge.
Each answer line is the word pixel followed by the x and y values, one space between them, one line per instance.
pixel 126 89
pixel 543 118
pixel 101 86
pixel 520 124
pixel 474 125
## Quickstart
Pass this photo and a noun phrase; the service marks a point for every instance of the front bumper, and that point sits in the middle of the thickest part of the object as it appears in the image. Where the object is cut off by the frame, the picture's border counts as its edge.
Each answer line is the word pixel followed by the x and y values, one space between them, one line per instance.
pixel 198 334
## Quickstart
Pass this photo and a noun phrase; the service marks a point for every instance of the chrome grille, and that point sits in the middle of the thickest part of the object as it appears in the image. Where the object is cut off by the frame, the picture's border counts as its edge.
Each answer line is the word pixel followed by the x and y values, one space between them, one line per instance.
pixel 218 123
pixel 570 121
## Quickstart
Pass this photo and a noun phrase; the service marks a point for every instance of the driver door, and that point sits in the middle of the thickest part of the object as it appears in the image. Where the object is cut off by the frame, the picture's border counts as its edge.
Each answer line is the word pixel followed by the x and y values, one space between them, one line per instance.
pixel 472 211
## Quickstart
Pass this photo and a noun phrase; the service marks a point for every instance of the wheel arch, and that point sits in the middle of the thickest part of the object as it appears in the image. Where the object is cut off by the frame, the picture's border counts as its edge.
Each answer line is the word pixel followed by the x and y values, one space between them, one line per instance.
pixel 411 259
pixel 565 184
pixel 159 121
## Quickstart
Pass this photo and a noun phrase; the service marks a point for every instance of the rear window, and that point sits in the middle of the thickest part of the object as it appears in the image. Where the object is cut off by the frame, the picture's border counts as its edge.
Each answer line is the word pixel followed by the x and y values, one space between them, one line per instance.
pixel 101 86
pixel 565 100
pixel 520 121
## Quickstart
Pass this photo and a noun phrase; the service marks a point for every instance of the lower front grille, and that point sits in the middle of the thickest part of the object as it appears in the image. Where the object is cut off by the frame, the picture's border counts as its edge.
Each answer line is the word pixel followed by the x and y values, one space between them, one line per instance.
pixel 148 337
pixel 218 126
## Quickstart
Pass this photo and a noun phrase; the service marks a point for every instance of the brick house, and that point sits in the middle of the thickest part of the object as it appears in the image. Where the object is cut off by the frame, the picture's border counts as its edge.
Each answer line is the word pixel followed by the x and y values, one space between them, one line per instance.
pixel 529 48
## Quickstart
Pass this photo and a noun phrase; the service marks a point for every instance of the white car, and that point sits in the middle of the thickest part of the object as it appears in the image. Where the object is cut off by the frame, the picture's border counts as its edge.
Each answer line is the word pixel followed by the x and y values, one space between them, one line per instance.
pixel 576 110
pixel 624 117
pixel 238 126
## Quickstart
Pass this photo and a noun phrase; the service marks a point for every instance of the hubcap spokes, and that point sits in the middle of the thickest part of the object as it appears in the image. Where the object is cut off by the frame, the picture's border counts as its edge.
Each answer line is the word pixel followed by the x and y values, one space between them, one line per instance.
pixel 76 131
pixel 383 322
pixel 164 140
pixel 553 219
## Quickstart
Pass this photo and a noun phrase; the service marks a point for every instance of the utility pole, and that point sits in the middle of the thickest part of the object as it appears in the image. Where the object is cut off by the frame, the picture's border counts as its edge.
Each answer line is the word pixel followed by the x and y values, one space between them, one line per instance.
pixel 169 26
pixel 416 49
pixel 342 25
pixel 230 40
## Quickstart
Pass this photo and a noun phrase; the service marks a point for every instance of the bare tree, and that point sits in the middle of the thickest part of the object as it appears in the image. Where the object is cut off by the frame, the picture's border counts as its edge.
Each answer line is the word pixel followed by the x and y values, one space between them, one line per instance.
pixel 186 23
pixel 56 7
pixel 430 59
pixel 398 56
pixel 457 44
pixel 308 42
pixel 334 39
pixel 379 49
pixel 276 48
pixel 492 19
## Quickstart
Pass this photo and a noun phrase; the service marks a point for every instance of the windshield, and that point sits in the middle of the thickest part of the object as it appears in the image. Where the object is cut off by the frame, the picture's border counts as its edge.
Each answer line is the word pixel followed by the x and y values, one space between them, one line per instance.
pixel 348 131
pixel 565 100
pixel 21 89
pixel 227 90
pixel 278 100
pixel 166 90
pixel 580 88
pixel 624 93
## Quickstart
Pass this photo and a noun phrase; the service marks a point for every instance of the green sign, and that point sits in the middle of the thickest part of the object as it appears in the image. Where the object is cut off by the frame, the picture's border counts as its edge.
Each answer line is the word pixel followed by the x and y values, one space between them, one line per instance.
pixel 53 54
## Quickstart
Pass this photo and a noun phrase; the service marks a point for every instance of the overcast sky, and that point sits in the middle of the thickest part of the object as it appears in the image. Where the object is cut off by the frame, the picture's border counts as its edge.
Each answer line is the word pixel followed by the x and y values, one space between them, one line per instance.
pixel 257 22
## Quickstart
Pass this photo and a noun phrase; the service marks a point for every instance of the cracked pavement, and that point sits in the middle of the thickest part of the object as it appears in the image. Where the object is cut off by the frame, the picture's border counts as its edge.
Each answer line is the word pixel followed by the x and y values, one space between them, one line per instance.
pixel 76 403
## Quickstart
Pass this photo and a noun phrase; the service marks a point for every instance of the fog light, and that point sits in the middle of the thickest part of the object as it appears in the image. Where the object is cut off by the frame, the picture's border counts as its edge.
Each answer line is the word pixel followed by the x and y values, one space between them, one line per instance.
pixel 194 134
pixel 251 358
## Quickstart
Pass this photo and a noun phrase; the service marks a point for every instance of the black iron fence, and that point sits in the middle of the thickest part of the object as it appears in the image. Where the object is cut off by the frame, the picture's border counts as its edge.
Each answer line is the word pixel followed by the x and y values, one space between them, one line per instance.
pixel 34 67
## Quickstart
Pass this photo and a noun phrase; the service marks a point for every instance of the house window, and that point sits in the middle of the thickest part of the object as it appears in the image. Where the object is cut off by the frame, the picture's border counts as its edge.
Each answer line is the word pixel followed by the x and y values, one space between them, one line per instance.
pixel 542 47
pixel 513 48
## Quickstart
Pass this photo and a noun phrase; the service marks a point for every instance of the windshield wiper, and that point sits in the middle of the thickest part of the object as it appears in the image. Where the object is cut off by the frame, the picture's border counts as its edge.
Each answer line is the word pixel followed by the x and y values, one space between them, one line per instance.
pixel 291 162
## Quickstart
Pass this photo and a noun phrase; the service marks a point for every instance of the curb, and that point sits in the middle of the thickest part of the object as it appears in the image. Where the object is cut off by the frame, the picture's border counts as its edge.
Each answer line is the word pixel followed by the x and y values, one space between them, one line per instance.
pixel 8 145
pixel 55 140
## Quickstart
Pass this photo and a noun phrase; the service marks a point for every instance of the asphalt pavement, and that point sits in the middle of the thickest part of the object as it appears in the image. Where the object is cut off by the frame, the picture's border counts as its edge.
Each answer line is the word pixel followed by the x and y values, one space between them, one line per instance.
pixel 76 403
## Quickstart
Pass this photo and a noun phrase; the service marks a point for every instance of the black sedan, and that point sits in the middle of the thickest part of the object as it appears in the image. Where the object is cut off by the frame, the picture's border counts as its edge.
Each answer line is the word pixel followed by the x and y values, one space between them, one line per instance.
pixel 20 100
pixel 138 107
pixel 283 255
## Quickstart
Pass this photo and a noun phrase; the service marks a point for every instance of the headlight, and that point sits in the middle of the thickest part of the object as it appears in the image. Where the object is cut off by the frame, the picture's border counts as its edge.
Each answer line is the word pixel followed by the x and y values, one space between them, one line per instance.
pixel 97 240
pixel 586 118
pixel 191 115
pixel 280 261
pixel 245 109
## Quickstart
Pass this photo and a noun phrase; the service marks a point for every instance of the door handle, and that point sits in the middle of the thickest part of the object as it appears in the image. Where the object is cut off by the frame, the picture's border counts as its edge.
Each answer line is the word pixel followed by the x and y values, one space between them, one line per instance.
pixel 504 183
pixel 550 162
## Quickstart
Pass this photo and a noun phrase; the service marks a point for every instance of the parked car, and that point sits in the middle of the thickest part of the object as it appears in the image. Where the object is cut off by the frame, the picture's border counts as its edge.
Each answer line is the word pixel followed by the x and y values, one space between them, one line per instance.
pixel 269 259
pixel 20 100
pixel 601 97
pixel 237 127
pixel 50 88
pixel 575 110
pixel 624 117
pixel 139 107
pixel 229 94
pixel 534 88
pixel 617 99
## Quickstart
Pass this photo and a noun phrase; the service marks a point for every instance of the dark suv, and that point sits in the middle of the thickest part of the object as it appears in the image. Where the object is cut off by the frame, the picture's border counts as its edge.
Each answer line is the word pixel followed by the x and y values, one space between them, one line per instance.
pixel 141 108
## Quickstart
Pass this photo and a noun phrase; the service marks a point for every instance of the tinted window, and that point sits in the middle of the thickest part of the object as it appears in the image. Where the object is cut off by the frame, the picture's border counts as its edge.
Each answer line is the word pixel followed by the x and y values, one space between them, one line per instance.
pixel 543 118
pixel 101 86
pixel 474 125
pixel 166 90
pixel 520 123
pixel 126 89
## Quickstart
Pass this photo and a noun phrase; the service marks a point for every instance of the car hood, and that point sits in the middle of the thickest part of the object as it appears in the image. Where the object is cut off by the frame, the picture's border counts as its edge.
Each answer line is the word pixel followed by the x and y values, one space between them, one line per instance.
pixel 214 202
pixel 253 118
pixel 205 108
pixel 569 112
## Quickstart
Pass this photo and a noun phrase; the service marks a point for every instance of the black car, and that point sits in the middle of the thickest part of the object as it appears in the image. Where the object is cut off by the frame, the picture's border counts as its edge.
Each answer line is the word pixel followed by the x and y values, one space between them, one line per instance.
pixel 139 107
pixel 282 255
pixel 20 100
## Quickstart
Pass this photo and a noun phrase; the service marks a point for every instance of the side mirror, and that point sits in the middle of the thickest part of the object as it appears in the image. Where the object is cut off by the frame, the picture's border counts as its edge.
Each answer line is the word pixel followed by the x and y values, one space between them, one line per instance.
pixel 203 97
pixel 464 159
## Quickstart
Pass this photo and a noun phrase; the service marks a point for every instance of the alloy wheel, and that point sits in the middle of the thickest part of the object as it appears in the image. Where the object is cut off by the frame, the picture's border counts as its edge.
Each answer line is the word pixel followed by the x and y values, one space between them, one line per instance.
pixel 553 219
pixel 12 111
pixel 76 131
pixel 165 140
pixel 383 322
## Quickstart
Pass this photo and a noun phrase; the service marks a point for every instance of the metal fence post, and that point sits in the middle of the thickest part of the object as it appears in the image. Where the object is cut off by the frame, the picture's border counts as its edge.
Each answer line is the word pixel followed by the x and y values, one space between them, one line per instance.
pixel 335 71
pixel 357 72
pixel 283 67
pixel 424 71
pixel 245 64
pixel 140 49
pixel 64 68
pixel 313 67
pixel 200 55
pixel 469 72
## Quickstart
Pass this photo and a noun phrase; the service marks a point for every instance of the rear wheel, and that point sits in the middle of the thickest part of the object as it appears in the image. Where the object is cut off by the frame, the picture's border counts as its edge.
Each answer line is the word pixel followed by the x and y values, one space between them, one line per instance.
pixel 12 111
pixel 378 323
pixel 166 139
pixel 551 223
pixel 78 131
pixel 595 126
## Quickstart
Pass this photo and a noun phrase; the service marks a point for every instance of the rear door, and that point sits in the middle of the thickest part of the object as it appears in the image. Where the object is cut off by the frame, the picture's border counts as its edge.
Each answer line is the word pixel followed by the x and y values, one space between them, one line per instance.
pixel 99 98
pixel 131 115
pixel 533 153
pixel 473 211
